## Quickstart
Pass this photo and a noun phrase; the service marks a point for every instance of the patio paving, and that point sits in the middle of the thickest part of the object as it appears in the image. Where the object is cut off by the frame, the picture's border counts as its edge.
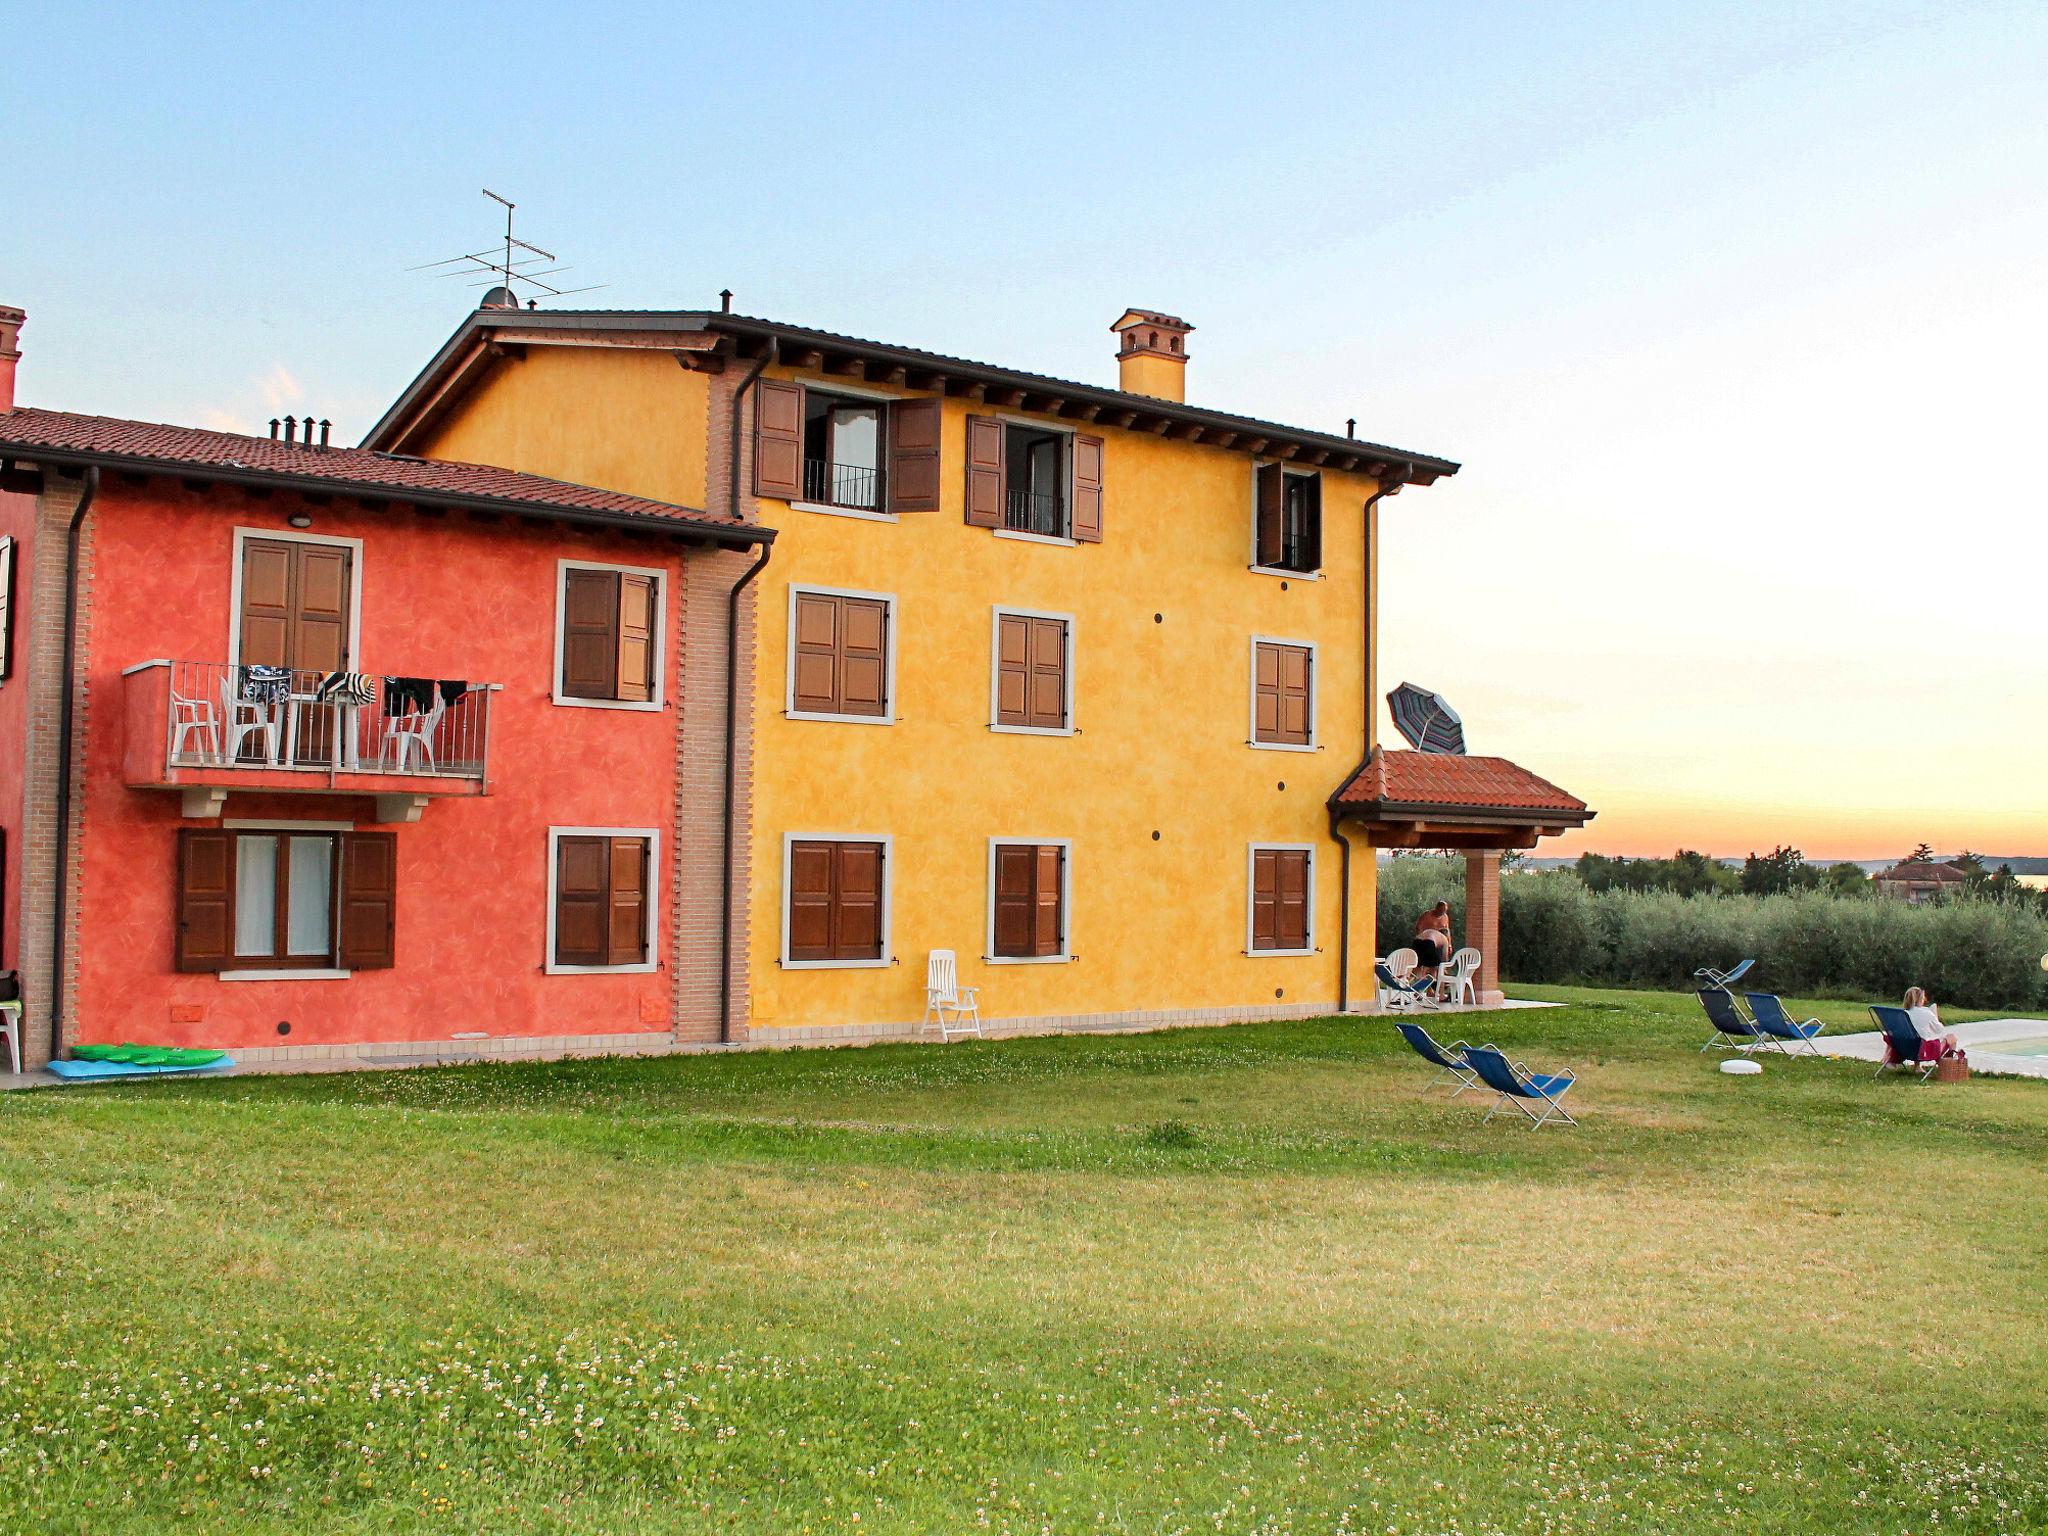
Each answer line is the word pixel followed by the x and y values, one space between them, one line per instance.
pixel 1981 1040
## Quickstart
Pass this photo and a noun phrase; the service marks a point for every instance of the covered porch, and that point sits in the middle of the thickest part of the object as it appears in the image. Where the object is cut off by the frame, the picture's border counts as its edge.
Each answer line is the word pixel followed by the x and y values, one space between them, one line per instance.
pixel 1481 807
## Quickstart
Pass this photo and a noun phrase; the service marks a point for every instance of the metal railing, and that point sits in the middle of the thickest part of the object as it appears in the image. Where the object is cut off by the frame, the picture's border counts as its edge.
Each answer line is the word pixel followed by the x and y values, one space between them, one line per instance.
pixel 842 485
pixel 1035 512
pixel 225 715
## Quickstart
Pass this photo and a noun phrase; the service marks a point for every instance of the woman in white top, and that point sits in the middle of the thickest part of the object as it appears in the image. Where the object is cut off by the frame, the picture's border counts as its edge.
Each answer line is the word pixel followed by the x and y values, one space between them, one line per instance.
pixel 1926 1022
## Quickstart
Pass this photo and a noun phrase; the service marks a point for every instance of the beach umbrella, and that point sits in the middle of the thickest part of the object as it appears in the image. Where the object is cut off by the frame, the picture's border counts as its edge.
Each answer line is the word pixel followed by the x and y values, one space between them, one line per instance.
pixel 1430 724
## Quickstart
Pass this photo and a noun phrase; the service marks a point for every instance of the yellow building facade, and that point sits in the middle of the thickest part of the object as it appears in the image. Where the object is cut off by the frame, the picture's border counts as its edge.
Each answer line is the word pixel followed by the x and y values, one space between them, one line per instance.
pixel 1135 693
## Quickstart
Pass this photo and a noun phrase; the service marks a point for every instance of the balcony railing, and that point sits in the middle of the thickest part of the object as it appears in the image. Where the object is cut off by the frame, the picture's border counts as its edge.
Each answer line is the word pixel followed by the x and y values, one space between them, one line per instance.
pixel 221 716
pixel 1035 512
pixel 842 485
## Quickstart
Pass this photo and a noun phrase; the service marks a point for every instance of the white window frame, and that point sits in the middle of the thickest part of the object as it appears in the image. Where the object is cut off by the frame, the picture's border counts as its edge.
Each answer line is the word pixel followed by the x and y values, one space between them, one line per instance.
pixel 830 386
pixel 988 942
pixel 661 584
pixel 1315 692
pixel 650 906
pixel 1251 855
pixel 1057 540
pixel 887 918
pixel 286 827
pixel 995 673
pixel 293 536
pixel 888 600
pixel 1275 570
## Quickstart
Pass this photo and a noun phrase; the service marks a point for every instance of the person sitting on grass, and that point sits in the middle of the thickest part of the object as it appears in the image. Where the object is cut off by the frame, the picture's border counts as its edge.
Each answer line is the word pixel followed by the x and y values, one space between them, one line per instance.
pixel 1926 1022
pixel 1433 938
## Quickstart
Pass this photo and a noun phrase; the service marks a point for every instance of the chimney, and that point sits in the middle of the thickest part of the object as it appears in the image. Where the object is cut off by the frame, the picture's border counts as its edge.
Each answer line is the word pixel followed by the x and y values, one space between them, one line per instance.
pixel 1153 357
pixel 11 322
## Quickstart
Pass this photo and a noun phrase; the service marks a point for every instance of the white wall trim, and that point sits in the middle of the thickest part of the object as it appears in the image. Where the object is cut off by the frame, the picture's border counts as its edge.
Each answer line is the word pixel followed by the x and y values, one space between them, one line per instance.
pixel 888 955
pixel 649 903
pixel 858 514
pixel 1315 688
pixel 995 657
pixel 988 942
pixel 308 973
pixel 354 660
pixel 1036 538
pixel 888 600
pixel 661 595
pixel 1251 853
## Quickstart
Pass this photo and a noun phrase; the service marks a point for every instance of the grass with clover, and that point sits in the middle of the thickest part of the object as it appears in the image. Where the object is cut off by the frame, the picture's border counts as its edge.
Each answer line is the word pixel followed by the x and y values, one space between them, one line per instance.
pixel 1235 1280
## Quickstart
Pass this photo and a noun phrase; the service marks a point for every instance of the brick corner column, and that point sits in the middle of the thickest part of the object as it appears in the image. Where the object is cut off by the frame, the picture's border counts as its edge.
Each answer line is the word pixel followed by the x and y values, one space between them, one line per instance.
pixel 1482 922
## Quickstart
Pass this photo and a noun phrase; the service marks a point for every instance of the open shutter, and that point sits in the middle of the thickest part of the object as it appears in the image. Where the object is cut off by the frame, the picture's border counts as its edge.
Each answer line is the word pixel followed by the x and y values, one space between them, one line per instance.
pixel 985 472
pixel 582 901
pixel 369 901
pixel 1047 916
pixel 590 634
pixel 1264 899
pixel 914 456
pixel 1312 537
pixel 1290 904
pixel 627 936
pixel 1015 919
pixel 636 637
pixel 779 439
pixel 6 607
pixel 206 899
pixel 1270 498
pixel 857 902
pixel 1088 489
pixel 810 900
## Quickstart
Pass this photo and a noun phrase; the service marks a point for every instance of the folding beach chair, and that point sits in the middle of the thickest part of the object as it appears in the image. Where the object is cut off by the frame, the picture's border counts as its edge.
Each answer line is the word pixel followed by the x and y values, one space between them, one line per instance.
pixel 1710 977
pixel 1518 1086
pixel 1903 1046
pixel 1768 1009
pixel 1402 991
pixel 1450 1061
pixel 1731 1029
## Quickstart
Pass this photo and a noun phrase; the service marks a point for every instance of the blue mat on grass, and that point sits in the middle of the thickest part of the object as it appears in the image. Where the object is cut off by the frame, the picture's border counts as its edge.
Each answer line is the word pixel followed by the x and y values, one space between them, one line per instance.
pixel 90 1069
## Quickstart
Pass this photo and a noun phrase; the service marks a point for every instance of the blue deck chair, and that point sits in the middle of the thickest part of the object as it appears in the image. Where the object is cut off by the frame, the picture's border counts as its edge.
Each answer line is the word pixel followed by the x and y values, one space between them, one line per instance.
pixel 1707 976
pixel 1906 1050
pixel 1518 1086
pixel 1730 1027
pixel 1403 994
pixel 1768 1009
pixel 1450 1062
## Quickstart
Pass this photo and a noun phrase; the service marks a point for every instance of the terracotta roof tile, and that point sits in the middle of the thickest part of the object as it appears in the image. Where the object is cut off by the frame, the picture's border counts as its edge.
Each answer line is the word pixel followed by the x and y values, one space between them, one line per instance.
pixel 25 430
pixel 1455 783
pixel 1921 869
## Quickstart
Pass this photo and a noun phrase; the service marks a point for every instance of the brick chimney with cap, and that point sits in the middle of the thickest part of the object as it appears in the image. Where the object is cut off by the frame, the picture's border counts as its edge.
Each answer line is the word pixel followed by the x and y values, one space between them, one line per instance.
pixel 11 322
pixel 1152 358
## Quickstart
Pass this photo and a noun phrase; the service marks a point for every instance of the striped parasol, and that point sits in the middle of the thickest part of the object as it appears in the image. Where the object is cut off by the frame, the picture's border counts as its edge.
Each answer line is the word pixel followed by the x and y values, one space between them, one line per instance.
pixel 1430 724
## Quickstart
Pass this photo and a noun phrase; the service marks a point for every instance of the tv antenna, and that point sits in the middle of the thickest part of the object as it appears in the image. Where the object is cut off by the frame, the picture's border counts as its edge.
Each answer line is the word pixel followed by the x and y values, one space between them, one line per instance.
pixel 504 270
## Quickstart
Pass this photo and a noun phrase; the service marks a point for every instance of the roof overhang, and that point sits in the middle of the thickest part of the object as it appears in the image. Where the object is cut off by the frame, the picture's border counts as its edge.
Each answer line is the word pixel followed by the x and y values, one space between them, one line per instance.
pixel 1459 813
pixel 705 340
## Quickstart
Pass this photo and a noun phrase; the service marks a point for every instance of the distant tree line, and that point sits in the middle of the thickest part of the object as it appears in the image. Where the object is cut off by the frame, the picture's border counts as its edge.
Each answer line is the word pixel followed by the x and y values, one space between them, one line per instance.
pixel 1785 872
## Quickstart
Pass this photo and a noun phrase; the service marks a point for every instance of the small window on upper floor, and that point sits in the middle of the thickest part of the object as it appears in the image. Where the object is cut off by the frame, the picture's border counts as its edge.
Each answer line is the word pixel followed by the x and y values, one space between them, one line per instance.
pixel 1287 530
pixel 843 451
pixel 608 621
pixel 827 450
pixel 1033 481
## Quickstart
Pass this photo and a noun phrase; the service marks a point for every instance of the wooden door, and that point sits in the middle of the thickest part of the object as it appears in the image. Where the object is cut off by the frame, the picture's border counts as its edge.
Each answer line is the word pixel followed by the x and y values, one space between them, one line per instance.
pixel 296 599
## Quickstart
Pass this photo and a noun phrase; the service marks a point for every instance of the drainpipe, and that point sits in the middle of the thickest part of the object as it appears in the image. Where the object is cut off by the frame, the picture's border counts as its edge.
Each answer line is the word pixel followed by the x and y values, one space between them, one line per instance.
pixel 732 690
pixel 71 537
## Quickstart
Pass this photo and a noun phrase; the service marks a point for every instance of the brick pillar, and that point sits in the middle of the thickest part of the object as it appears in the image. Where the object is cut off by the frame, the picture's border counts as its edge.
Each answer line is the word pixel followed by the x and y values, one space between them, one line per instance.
pixel 1482 920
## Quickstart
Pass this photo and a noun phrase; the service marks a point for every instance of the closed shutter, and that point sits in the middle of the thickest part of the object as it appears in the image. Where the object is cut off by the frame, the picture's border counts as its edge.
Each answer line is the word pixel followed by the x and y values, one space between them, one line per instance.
pixel 1047 707
pixel 985 472
pixel 914 456
pixel 590 634
pixel 627 935
pixel 857 902
pixel 206 899
pixel 266 603
pixel 319 626
pixel 1270 501
pixel 779 439
pixel 810 900
pixel 636 637
pixel 1281 684
pixel 369 901
pixel 582 901
pixel 1013 669
pixel 1088 489
pixel 1016 915
pixel 1048 914
pixel 1290 915
pixel 816 646
pixel 863 656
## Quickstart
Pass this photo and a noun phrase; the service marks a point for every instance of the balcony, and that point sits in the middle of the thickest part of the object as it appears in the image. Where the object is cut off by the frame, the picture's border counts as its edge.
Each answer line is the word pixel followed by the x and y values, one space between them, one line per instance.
pixel 855 486
pixel 1036 512
pixel 206 728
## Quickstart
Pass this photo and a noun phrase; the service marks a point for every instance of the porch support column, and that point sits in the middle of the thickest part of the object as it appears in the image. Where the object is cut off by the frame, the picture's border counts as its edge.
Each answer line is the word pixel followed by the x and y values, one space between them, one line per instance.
pixel 1482 921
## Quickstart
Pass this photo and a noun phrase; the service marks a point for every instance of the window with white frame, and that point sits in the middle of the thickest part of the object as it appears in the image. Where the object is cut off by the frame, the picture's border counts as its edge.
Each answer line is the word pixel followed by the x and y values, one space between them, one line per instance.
pixel 608 635
pixel 601 901
pixel 1280 896
pixel 1029 888
pixel 842 655
pixel 835 901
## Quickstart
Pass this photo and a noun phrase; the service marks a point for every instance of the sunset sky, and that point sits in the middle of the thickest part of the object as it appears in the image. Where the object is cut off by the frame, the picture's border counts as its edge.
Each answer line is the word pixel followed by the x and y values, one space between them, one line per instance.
pixel 1734 313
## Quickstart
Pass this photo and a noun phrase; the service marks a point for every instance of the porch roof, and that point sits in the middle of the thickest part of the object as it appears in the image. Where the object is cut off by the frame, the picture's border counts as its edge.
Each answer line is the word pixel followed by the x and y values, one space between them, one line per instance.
pixel 1435 800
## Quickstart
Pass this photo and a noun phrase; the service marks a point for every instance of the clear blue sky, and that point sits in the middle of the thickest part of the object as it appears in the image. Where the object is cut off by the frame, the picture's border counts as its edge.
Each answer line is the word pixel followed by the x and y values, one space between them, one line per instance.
pixel 1734 312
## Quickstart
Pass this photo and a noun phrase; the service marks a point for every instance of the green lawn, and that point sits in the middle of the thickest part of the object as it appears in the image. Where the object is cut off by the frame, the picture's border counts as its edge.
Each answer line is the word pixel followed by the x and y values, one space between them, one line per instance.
pixel 1225 1280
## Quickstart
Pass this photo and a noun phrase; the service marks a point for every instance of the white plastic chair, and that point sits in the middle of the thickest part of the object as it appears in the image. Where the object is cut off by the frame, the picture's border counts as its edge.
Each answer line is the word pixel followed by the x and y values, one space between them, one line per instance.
pixel 10 1025
pixel 1402 963
pixel 942 991
pixel 1455 982
pixel 245 717
pixel 406 734
pixel 194 717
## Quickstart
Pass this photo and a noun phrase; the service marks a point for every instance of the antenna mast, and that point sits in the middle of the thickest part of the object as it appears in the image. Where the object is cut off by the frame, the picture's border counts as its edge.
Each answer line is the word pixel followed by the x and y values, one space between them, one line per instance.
pixel 522 262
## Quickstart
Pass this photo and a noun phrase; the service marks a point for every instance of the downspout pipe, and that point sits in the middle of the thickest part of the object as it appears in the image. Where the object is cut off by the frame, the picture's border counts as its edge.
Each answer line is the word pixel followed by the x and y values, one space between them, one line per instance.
pixel 732 698
pixel 63 884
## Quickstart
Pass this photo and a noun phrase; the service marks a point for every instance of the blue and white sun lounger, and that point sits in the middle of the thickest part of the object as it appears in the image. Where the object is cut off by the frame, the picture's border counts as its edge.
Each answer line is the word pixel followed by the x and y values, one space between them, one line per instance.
pixel 1403 994
pixel 1451 1062
pixel 1708 976
pixel 1730 1027
pixel 1518 1086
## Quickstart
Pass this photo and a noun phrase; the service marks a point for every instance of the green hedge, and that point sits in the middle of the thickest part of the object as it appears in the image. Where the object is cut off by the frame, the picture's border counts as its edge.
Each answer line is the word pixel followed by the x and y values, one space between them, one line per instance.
pixel 1975 954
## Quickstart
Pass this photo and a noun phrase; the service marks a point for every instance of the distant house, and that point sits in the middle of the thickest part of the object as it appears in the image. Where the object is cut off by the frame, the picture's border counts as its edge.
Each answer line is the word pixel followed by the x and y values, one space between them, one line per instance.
pixel 1918 880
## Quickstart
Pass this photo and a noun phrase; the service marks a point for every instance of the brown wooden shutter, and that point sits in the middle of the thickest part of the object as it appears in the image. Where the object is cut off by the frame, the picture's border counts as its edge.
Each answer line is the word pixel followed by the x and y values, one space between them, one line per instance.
pixel 582 901
pixel 1088 489
pixel 779 439
pixel 1271 499
pixel 1047 893
pixel 590 634
pixel 1263 899
pixel 1013 670
pixel 1046 707
pixel 914 456
pixel 1016 916
pixel 811 870
pixel 1294 695
pixel 816 643
pixel 863 656
pixel 206 899
pixel 369 901
pixel 266 603
pixel 1314 539
pixel 627 929
pixel 857 902
pixel 319 627
pixel 1290 898
pixel 636 637
pixel 986 472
